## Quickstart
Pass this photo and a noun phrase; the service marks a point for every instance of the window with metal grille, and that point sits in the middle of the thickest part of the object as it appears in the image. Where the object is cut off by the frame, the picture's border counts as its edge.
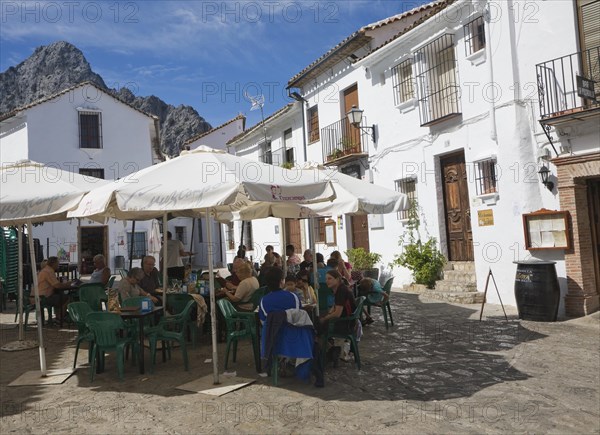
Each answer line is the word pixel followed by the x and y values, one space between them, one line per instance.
pixel 181 234
pixel 403 82
pixel 474 36
pixel 230 236
pixel 265 152
pixel 90 130
pixel 485 176
pixel 319 230
pixel 139 244
pixel 92 172
pixel 408 186
pixel 313 124
pixel 439 96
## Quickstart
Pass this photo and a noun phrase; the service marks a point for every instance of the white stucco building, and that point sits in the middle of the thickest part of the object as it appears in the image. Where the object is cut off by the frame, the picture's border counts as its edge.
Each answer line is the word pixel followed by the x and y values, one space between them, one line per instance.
pixel 87 130
pixel 450 92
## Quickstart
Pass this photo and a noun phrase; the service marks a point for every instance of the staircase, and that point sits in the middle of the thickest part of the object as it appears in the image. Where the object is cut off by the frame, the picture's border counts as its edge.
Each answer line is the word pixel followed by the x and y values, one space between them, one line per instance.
pixel 459 285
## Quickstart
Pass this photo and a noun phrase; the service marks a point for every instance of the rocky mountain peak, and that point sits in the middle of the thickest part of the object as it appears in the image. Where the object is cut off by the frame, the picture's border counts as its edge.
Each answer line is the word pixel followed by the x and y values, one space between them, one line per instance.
pixel 60 65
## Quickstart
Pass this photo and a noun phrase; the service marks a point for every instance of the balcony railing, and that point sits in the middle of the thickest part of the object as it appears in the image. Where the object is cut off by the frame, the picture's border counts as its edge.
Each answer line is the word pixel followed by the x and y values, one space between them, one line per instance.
pixel 563 82
pixel 342 141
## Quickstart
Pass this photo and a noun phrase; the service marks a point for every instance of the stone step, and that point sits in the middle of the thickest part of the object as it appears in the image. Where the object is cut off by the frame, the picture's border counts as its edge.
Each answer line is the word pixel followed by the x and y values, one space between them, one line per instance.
pixel 459 276
pixel 455 286
pixel 466 266
pixel 455 297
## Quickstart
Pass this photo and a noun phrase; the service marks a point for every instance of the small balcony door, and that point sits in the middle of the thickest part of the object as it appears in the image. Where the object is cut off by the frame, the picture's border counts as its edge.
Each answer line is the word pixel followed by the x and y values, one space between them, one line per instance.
pixel 351 135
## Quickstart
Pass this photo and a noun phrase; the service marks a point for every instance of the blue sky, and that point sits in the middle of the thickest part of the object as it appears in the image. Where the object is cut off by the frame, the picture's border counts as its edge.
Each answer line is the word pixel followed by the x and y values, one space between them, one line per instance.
pixel 205 54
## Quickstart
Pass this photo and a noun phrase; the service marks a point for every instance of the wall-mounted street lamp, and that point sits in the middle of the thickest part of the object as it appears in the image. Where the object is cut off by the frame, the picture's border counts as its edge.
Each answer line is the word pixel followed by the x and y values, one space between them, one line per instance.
pixel 544 173
pixel 355 117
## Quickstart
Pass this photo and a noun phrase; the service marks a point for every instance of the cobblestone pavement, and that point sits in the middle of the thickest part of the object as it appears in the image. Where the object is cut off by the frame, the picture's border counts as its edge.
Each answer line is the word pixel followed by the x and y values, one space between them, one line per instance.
pixel 438 369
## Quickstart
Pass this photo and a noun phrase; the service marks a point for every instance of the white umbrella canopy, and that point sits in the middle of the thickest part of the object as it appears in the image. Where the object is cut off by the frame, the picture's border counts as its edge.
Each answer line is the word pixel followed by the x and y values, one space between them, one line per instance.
pixel 31 192
pixel 40 193
pixel 200 179
pixel 353 196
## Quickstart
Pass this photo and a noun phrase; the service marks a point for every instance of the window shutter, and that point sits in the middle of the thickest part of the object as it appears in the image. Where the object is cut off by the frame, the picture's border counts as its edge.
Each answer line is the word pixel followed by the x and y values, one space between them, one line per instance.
pixel 589 30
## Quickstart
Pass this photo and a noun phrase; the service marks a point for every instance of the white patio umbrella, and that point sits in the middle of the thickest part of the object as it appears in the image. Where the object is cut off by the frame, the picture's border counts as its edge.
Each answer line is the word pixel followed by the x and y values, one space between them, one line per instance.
pixel 201 181
pixel 353 197
pixel 31 192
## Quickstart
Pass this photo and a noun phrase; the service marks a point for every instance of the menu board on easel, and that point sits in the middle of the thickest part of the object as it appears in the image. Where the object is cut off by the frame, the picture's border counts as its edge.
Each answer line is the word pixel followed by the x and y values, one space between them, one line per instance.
pixel 547 229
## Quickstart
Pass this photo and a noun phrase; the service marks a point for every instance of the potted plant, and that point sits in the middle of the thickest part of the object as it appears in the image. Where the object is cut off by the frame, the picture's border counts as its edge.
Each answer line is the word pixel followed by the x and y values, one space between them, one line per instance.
pixel 287 165
pixel 335 154
pixel 364 261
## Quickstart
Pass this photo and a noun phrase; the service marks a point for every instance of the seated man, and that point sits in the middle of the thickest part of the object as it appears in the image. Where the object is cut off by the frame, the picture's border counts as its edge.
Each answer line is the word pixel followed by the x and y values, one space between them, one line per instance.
pixel 101 272
pixel 150 282
pixel 129 286
pixel 48 283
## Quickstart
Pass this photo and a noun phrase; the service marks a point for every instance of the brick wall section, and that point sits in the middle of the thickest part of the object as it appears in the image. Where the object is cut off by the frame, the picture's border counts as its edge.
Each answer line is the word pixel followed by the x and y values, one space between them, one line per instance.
pixel 582 295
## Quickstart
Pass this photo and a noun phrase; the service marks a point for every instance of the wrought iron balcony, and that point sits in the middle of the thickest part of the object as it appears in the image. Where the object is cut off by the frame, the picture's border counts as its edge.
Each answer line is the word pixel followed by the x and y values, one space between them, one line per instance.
pixel 570 84
pixel 342 142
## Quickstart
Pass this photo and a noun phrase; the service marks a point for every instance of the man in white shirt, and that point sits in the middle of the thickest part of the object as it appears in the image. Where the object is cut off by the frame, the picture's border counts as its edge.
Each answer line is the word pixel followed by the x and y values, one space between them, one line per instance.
pixel 175 251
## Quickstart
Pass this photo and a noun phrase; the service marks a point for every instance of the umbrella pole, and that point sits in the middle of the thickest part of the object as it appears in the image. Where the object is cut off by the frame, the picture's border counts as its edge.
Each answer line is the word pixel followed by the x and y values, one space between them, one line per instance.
pixel 313 248
pixel 131 244
pixel 164 265
pixel 213 311
pixel 20 281
pixel 192 241
pixel 38 308
pixel 283 253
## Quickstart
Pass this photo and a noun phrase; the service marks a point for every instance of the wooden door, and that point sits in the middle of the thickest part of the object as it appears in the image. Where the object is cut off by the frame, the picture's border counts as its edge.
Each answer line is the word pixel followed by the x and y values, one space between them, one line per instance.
pixel 293 235
pixel 360 232
pixel 92 241
pixel 351 134
pixel 456 208
pixel 593 188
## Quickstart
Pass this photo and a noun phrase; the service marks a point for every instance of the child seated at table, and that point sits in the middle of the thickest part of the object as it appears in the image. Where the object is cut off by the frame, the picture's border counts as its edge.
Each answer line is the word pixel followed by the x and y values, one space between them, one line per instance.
pixel 305 292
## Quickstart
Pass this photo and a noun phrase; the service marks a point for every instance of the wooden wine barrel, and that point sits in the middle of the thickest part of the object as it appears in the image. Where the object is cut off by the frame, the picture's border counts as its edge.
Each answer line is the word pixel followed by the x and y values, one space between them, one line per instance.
pixel 537 292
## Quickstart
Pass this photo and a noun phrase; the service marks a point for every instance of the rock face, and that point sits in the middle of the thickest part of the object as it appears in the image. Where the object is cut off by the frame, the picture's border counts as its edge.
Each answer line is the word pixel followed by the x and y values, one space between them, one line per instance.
pixel 60 65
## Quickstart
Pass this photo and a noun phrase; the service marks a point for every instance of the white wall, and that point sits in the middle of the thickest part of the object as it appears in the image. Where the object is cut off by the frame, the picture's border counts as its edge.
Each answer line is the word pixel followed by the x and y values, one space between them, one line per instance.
pixel 13 140
pixel 52 137
pixel 219 136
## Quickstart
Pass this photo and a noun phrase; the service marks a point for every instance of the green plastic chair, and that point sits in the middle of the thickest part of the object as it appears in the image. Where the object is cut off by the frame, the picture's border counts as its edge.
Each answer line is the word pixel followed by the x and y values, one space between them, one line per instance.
pixel 78 312
pixel 239 327
pixel 325 295
pixel 165 333
pixel 176 303
pixel 28 307
pixel 94 294
pixel 111 281
pixel 385 306
pixel 331 333
pixel 257 296
pixel 106 328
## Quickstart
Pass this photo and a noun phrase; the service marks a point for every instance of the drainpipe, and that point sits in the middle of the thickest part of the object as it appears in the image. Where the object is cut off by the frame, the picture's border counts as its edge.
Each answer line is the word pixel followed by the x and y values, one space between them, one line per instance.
pixel 488 54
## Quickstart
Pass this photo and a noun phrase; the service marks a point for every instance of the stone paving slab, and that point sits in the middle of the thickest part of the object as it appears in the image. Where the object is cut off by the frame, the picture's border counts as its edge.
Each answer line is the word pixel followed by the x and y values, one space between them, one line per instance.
pixel 437 370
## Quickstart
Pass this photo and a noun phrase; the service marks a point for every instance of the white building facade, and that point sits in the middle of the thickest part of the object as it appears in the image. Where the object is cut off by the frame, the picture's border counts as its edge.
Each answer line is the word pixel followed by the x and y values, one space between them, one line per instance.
pixel 85 130
pixel 449 93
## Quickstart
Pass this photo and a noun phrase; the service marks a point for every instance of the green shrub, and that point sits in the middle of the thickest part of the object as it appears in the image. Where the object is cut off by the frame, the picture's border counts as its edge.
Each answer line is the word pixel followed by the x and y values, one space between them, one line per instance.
pixel 361 259
pixel 424 260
